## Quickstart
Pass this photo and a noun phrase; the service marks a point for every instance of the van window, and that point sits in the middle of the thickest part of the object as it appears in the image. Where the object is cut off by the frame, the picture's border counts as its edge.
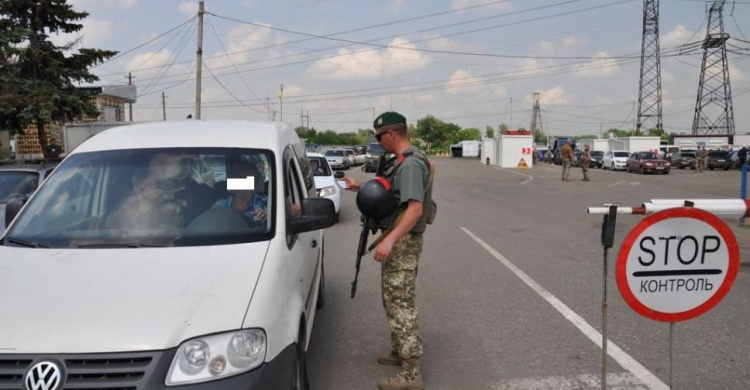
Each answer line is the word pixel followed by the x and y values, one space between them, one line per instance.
pixel 153 197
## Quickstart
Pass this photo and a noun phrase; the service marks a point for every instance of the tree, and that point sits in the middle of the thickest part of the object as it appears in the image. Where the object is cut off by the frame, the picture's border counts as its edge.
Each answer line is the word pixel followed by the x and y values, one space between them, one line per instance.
pixel 48 72
pixel 470 134
pixel 489 132
pixel 503 128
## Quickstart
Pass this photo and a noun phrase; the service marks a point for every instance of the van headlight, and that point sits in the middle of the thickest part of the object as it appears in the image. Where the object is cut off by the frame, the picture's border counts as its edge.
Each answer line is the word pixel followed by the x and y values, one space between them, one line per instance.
pixel 327 191
pixel 217 356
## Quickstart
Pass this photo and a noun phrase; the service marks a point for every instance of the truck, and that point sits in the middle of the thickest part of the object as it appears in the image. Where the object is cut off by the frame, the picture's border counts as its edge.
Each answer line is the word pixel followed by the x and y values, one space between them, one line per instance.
pixel 556 144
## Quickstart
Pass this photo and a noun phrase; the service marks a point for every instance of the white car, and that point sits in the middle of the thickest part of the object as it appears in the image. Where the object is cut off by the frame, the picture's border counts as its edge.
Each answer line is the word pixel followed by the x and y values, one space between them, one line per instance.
pixel 325 183
pixel 127 271
pixel 338 159
pixel 615 159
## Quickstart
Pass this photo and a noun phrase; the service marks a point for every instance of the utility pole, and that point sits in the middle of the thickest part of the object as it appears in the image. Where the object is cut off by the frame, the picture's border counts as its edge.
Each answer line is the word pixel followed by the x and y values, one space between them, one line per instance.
pixel 649 91
pixel 130 105
pixel 714 113
pixel 308 119
pixel 373 114
pixel 199 62
pixel 163 106
pixel 281 103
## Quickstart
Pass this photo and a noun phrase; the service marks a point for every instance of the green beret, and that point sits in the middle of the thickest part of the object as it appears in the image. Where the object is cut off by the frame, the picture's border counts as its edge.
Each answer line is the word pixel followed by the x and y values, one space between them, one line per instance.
pixel 388 118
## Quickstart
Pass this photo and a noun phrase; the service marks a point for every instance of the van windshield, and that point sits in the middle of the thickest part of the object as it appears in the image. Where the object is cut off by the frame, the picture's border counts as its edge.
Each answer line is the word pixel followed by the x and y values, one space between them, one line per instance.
pixel 622 154
pixel 334 153
pixel 152 198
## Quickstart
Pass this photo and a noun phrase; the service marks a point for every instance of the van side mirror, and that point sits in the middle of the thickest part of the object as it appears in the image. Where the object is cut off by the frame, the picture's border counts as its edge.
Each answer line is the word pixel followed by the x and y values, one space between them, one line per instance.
pixel 12 208
pixel 317 213
pixel 339 175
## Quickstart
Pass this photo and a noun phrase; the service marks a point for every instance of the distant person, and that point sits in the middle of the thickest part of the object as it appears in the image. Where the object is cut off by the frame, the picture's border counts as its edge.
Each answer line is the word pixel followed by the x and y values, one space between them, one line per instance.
pixel 700 159
pixel 52 154
pixel 585 161
pixel 566 154
pixel 741 156
pixel 316 168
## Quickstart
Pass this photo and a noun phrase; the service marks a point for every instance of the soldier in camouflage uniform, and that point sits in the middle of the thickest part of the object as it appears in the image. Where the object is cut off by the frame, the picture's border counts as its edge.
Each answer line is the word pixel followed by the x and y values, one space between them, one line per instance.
pixel 399 252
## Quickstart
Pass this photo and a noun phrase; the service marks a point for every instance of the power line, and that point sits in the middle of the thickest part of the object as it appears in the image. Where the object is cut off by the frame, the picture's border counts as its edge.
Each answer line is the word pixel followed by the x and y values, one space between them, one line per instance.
pixel 143 44
pixel 231 62
pixel 401 47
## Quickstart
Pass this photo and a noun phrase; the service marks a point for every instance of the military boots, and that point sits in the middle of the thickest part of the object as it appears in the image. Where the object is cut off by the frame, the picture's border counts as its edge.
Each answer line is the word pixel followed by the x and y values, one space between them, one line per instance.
pixel 389 359
pixel 409 378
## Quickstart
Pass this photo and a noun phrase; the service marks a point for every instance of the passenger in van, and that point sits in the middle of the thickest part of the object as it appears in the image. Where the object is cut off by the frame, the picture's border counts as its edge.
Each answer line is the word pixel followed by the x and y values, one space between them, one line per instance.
pixel 252 204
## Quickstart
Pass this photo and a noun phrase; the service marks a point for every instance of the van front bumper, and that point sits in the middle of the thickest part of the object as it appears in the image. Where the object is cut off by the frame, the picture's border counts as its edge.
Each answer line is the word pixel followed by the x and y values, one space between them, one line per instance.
pixel 142 371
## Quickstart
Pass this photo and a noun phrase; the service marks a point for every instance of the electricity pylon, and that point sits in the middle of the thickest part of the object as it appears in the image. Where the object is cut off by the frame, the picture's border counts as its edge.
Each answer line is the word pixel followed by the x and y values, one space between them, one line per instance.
pixel 649 91
pixel 713 107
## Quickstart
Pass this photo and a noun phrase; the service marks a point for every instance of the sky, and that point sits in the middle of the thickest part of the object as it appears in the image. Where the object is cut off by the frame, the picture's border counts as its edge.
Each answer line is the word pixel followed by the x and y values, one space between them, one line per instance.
pixel 475 63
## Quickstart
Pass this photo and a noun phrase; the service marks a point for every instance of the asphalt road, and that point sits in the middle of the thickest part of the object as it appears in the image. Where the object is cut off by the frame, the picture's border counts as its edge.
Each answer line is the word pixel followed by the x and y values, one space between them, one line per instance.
pixel 486 326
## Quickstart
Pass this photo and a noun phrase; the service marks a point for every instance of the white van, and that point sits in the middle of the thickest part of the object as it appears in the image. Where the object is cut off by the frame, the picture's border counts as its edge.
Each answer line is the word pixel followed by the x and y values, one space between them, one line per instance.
pixel 126 271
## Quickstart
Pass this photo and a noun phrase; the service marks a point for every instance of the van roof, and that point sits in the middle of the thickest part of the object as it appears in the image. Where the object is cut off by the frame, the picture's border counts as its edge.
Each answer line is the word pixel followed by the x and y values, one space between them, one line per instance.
pixel 193 133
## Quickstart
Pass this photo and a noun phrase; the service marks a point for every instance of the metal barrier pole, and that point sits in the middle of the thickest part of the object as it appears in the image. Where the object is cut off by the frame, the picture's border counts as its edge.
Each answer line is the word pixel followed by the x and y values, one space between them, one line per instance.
pixel 607 238
pixel 743 188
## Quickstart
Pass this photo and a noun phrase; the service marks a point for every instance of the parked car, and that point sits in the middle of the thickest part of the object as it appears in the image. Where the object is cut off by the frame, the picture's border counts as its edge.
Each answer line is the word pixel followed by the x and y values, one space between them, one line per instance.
pixel 151 279
pixel 597 156
pixel 647 162
pixel 683 160
pixel 615 159
pixel 325 183
pixel 718 159
pixel 337 159
pixel 372 158
pixel 19 182
pixel 354 158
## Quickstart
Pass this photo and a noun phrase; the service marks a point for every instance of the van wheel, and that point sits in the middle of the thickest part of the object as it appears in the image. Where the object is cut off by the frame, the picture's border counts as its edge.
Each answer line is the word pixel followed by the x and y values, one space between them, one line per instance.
pixel 299 369
pixel 322 284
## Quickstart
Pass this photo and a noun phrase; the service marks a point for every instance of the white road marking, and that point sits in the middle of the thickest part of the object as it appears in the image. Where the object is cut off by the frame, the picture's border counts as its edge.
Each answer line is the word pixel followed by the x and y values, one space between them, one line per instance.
pixel 530 178
pixel 622 358
pixel 615 381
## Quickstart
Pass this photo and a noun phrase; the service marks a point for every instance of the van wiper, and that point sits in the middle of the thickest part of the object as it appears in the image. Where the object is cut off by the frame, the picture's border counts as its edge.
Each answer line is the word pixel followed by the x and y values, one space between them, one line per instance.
pixel 121 245
pixel 29 244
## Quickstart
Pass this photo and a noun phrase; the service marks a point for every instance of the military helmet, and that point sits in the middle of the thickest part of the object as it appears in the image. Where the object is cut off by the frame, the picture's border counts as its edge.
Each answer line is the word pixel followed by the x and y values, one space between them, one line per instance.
pixel 375 198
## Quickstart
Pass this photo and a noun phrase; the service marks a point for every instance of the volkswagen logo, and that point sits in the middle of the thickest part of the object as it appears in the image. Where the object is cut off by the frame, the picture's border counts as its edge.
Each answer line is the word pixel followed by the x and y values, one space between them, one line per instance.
pixel 44 376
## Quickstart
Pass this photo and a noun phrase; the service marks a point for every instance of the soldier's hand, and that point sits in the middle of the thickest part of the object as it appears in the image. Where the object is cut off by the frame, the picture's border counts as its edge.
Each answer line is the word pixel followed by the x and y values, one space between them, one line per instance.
pixel 352 183
pixel 383 250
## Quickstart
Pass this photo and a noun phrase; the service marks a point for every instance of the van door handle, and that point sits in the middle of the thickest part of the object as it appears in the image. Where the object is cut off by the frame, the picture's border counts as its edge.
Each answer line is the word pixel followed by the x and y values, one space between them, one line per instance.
pixel 314 243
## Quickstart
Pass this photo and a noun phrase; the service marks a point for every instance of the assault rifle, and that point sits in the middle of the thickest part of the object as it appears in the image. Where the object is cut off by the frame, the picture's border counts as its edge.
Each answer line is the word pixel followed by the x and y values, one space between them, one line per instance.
pixel 368 224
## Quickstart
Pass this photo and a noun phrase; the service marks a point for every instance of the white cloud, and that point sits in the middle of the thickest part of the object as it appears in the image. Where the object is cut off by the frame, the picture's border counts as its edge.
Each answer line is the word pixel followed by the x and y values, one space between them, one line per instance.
pixel 438 42
pixel 675 37
pixel 599 68
pixel 556 95
pixel 188 7
pixel 459 4
pixel 86 4
pixel 370 64
pixel 95 33
pixel 462 81
pixel 735 74
pixel 574 40
pixel 395 6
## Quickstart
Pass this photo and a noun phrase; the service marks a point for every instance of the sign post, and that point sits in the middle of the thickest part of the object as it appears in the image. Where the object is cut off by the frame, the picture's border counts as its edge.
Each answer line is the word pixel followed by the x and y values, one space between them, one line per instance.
pixel 677 264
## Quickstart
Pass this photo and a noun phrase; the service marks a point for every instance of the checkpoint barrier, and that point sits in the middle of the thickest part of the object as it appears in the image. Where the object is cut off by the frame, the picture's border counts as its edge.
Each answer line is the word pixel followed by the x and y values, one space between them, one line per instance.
pixel 687 281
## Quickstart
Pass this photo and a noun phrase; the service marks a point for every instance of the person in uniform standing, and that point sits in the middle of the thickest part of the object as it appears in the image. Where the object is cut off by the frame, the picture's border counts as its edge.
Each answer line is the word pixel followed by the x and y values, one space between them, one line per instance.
pixel 700 156
pixel 566 154
pixel 585 161
pixel 400 250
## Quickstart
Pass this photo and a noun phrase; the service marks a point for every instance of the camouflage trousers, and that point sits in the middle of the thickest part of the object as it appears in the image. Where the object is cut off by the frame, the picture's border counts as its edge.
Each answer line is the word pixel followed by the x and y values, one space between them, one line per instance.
pixel 399 276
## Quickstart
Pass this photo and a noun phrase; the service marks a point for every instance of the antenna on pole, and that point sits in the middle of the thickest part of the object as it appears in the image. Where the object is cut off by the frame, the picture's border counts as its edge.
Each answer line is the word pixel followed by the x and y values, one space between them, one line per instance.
pixel 714 113
pixel 199 62
pixel 649 91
